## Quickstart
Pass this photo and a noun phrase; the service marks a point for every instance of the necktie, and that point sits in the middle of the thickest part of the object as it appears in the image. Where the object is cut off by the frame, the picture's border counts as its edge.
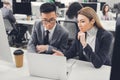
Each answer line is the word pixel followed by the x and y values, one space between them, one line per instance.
pixel 46 38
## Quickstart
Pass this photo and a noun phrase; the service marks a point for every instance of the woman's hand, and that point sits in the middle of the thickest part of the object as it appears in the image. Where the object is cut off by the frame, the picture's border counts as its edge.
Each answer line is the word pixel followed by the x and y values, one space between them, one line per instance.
pixel 81 37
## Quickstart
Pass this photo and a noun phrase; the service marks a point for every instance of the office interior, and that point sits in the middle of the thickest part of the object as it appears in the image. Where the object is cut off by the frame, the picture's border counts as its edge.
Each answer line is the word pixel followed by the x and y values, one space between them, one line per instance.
pixel 27 12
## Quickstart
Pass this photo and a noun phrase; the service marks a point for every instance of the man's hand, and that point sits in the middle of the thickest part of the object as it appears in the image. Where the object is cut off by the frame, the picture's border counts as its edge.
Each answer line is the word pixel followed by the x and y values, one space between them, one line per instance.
pixel 41 48
pixel 57 53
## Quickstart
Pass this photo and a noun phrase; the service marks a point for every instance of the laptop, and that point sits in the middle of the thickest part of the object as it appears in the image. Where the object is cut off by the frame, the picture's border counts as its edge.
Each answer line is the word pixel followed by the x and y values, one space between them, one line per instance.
pixel 47 66
pixel 5 53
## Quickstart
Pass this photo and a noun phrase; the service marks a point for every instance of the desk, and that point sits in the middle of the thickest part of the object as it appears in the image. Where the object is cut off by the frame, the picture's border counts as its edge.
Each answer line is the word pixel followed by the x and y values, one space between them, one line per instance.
pixel 31 22
pixel 81 70
pixel 109 25
pixel 27 22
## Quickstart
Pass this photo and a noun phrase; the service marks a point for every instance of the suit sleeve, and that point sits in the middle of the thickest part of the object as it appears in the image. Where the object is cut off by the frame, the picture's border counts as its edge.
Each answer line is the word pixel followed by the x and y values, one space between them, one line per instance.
pixel 31 47
pixel 99 58
pixel 62 44
pixel 72 51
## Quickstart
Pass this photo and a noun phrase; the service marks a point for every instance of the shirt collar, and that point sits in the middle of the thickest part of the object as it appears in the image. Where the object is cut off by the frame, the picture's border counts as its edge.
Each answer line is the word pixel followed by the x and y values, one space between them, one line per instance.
pixel 51 30
pixel 92 31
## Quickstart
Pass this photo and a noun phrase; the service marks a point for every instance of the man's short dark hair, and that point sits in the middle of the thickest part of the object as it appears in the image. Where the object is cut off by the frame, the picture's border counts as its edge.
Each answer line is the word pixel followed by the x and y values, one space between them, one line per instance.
pixel 47 7
pixel 6 2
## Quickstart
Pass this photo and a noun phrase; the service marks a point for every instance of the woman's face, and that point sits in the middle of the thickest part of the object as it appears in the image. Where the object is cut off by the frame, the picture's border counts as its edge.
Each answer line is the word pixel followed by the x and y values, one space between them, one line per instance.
pixel 84 23
pixel 106 8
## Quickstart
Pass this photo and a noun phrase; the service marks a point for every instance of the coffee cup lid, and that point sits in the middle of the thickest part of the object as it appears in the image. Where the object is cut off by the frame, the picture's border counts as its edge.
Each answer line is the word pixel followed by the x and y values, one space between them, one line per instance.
pixel 18 52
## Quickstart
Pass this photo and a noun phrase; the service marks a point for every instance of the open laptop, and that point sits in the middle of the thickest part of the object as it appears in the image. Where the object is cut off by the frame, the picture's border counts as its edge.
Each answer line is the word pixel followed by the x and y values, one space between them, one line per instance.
pixel 47 66
pixel 5 53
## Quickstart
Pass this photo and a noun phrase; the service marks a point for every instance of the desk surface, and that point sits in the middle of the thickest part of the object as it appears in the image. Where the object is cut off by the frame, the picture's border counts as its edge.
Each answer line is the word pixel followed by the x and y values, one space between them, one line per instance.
pixel 108 25
pixel 80 70
pixel 31 22
pixel 85 71
pixel 28 22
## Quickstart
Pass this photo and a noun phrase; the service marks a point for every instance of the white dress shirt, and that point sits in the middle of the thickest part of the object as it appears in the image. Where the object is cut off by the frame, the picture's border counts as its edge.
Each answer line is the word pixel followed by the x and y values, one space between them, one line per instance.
pixel 51 31
pixel 91 37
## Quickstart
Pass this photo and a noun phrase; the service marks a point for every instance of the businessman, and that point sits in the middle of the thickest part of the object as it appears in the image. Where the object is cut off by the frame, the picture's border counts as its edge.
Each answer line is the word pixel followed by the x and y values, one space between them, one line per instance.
pixel 47 34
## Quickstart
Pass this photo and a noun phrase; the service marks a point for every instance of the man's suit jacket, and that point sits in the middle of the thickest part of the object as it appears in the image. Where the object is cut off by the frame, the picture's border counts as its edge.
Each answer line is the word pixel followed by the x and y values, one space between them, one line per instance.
pixel 59 38
pixel 7 14
pixel 102 48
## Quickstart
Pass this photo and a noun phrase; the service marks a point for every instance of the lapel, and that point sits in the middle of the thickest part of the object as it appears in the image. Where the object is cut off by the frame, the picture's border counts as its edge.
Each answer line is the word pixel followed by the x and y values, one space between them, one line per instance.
pixel 97 43
pixel 41 33
pixel 55 35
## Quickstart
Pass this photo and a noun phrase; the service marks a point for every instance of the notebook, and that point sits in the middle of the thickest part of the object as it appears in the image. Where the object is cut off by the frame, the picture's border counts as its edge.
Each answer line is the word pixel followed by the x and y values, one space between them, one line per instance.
pixel 5 53
pixel 47 66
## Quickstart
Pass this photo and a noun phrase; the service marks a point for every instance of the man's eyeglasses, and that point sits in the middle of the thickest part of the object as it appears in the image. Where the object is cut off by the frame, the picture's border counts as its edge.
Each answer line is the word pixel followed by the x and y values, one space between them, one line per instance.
pixel 51 21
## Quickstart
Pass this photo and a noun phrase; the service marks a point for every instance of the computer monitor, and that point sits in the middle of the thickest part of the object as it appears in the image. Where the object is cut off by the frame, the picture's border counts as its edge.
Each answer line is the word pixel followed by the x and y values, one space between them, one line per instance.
pixel 101 5
pixel 59 4
pixel 22 8
pixel 1 4
pixel 36 8
pixel 32 0
pixel 115 70
pixel 27 1
pixel 91 4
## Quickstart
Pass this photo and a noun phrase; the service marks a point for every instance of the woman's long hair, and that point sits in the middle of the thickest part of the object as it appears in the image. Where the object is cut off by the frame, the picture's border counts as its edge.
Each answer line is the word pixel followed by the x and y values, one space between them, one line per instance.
pixel 91 14
pixel 103 9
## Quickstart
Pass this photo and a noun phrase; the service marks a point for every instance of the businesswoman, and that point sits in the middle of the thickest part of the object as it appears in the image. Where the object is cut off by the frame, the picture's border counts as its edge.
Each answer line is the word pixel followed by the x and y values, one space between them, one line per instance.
pixel 92 42
pixel 106 15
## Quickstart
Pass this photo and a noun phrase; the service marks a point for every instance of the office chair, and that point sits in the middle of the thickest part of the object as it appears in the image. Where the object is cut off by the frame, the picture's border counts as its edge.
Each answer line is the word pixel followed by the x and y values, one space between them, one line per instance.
pixel 8 25
pixel 16 36
pixel 71 27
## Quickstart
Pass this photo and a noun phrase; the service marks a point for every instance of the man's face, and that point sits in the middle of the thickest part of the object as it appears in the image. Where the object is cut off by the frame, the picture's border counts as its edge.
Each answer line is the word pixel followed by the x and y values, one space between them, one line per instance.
pixel 48 19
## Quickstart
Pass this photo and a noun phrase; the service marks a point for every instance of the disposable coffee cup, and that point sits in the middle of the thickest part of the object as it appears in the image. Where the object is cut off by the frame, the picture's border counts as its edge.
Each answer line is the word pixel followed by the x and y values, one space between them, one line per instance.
pixel 18 54
pixel 28 18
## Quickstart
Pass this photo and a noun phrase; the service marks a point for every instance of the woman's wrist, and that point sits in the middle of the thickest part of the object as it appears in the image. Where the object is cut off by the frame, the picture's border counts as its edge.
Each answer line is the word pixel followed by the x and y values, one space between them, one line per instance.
pixel 84 45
